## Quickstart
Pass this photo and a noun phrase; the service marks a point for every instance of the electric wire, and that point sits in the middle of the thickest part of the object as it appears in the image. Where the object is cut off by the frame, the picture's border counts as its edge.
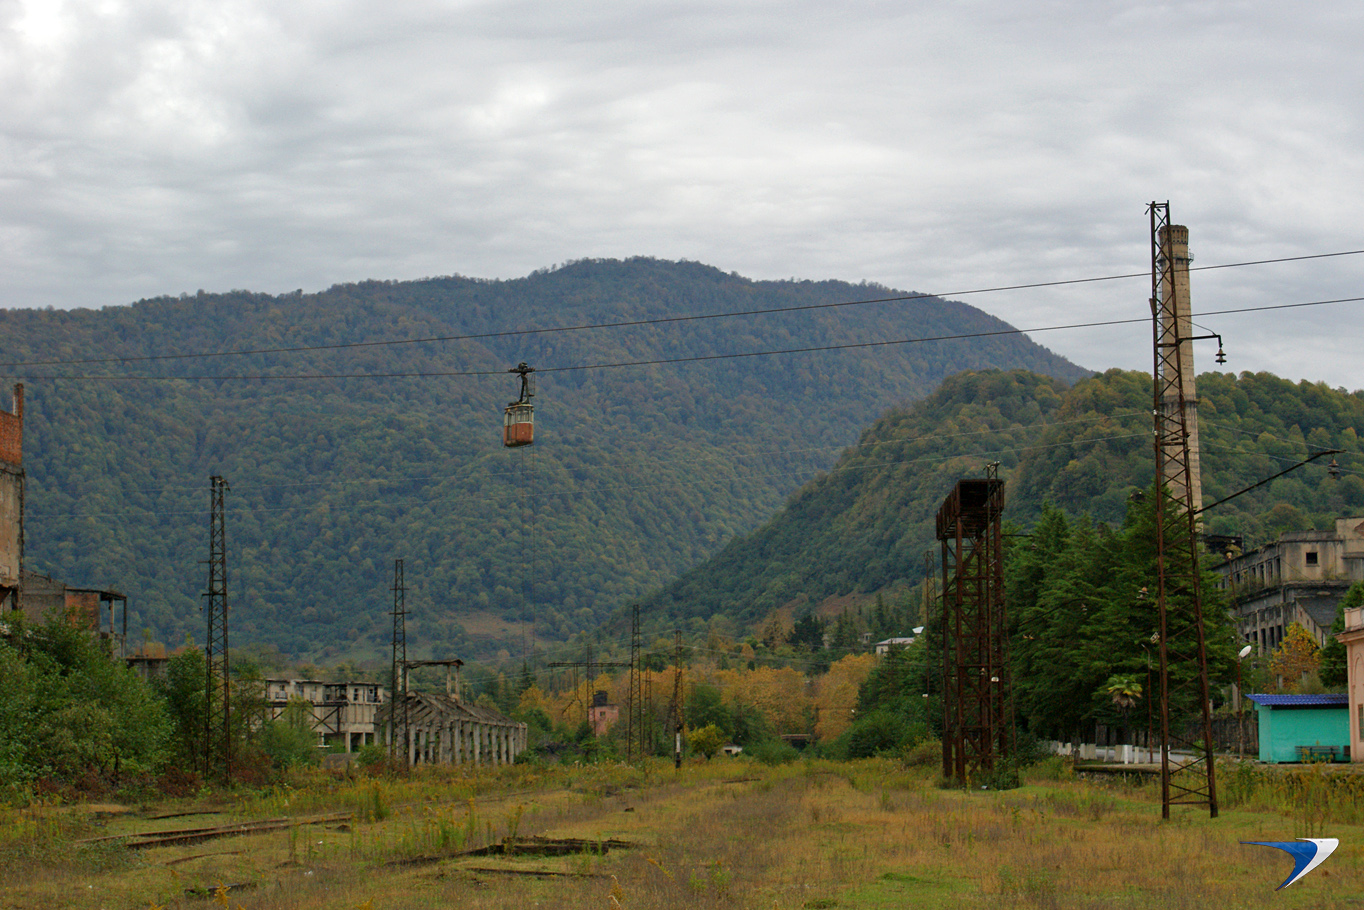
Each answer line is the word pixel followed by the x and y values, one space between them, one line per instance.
pixel 662 320
pixel 666 361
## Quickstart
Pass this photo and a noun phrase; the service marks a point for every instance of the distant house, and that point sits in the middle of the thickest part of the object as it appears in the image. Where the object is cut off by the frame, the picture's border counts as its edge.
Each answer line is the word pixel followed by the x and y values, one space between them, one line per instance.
pixel 602 715
pixel 1296 728
pixel 883 647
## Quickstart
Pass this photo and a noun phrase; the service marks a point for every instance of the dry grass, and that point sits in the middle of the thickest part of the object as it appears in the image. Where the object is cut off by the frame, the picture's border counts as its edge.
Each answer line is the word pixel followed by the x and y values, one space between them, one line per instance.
pixel 724 834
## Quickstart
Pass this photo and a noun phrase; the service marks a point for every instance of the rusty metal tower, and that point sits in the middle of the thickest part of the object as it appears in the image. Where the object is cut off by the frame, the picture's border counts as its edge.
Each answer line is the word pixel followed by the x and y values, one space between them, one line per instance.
pixel 1190 777
pixel 217 690
pixel 634 728
pixel 977 733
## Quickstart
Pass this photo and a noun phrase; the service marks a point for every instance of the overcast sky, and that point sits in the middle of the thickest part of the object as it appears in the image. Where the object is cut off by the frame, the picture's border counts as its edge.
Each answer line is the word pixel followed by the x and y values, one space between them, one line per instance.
pixel 153 147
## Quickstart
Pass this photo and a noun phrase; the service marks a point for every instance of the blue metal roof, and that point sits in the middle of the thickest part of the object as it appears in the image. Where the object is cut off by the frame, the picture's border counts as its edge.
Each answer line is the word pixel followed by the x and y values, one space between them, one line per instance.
pixel 1326 700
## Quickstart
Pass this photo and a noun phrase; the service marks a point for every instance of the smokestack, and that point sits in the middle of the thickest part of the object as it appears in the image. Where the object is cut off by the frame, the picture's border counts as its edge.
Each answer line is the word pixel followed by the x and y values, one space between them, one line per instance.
pixel 1176 328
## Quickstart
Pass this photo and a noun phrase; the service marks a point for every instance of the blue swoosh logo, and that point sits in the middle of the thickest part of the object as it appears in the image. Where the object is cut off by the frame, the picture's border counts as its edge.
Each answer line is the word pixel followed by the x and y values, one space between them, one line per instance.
pixel 1308 853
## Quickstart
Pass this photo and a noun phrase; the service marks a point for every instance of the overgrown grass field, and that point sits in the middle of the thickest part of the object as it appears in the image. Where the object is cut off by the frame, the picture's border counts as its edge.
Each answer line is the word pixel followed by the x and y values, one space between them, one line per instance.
pixel 725 833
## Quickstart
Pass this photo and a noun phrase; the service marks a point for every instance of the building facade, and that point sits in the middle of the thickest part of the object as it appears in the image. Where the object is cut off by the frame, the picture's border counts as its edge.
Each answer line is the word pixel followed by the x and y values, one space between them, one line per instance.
pixel 1299 578
pixel 1353 640
pixel 344 713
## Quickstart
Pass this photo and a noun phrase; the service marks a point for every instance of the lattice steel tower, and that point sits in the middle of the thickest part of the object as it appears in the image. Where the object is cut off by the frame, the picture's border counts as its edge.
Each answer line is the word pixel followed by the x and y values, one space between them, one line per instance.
pixel 1183 652
pixel 398 721
pixel 634 729
pixel 217 690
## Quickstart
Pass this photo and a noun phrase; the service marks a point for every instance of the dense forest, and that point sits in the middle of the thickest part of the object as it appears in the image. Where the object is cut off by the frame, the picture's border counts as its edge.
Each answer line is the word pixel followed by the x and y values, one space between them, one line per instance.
pixel 864 526
pixel 341 458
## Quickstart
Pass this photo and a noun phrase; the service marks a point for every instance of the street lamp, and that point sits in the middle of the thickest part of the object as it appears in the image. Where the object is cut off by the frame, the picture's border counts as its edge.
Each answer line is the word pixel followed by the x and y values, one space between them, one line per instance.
pixel 1240 705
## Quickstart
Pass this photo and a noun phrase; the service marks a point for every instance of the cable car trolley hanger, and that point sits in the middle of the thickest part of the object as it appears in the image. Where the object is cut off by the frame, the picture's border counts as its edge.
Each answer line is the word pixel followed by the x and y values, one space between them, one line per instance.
pixel 518 418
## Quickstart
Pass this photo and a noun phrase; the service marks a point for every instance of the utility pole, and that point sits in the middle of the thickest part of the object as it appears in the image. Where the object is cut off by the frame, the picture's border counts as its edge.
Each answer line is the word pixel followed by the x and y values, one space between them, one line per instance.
pixel 218 690
pixel 1183 653
pixel 397 705
pixel 675 709
pixel 634 728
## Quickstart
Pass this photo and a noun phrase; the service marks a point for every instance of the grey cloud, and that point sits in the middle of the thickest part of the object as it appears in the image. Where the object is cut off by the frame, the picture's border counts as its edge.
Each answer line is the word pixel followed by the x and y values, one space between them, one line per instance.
pixel 155 147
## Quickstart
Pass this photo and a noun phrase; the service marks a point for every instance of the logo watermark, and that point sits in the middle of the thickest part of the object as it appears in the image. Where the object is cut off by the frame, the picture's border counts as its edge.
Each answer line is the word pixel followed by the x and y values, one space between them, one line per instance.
pixel 1308 853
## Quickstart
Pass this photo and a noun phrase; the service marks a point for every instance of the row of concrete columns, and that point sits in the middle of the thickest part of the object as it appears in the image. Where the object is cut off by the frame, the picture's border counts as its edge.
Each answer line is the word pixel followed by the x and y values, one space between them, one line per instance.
pixel 464 742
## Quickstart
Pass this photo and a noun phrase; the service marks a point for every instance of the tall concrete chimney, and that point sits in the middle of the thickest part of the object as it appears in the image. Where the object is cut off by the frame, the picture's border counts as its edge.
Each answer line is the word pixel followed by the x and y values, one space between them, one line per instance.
pixel 1176 328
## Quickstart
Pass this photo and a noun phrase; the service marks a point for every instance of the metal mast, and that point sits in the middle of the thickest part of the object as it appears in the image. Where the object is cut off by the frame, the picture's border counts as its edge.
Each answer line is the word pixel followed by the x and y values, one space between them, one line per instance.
pixel 675 709
pixel 634 729
pixel 976 731
pixel 397 711
pixel 217 690
pixel 1183 653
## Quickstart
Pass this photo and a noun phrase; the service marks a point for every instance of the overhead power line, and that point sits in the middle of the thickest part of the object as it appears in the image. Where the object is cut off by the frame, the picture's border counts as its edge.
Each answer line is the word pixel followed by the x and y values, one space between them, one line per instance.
pixel 663 320
pixel 663 361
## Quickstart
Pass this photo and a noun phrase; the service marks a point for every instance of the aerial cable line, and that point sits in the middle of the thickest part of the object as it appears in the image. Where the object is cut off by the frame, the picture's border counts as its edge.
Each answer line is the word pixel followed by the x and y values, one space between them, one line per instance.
pixel 664 320
pixel 678 360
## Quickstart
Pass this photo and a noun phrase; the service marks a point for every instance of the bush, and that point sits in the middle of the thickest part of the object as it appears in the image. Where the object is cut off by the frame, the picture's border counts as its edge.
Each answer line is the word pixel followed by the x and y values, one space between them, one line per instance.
pixel 922 754
pixel 773 752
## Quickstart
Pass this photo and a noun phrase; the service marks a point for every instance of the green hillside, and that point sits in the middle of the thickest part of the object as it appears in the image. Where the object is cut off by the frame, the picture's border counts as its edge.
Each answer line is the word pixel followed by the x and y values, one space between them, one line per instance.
pixel 865 525
pixel 639 472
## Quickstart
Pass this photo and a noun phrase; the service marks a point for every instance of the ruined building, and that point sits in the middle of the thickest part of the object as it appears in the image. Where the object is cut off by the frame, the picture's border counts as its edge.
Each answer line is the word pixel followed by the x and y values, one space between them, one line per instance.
pixel 444 729
pixel 344 713
pixel 1299 578
pixel 12 502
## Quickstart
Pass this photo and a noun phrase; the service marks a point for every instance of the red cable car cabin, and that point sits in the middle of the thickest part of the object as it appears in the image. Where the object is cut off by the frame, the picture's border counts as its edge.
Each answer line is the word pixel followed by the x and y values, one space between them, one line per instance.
pixel 518 424
pixel 518 418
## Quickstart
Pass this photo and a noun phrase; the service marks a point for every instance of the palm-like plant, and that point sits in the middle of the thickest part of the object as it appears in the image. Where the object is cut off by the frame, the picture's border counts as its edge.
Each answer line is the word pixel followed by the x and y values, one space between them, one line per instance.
pixel 1124 690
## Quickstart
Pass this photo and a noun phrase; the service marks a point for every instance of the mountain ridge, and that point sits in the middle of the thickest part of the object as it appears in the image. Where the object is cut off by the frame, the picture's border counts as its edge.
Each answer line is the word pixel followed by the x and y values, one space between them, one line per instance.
pixel 639 471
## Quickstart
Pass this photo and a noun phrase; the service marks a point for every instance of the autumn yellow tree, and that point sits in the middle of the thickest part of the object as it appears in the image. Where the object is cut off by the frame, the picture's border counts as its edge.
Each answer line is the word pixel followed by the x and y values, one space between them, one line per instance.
pixel 836 694
pixel 1297 658
pixel 778 692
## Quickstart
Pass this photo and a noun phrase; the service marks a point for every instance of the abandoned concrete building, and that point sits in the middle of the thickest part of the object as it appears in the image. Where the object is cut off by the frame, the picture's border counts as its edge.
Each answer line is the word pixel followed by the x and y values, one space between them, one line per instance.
pixel 12 502
pixel 1299 578
pixel 602 715
pixel 443 729
pixel 344 713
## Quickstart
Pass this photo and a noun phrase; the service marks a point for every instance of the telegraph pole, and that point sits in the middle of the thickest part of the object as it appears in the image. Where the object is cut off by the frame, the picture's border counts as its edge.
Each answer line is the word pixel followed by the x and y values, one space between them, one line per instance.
pixel 397 705
pixel 675 709
pixel 218 693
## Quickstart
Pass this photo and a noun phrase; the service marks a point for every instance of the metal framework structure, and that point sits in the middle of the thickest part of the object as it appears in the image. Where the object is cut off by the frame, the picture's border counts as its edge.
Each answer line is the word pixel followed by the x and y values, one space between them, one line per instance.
pixel 977 732
pixel 634 729
pixel 398 714
pixel 217 690
pixel 1190 779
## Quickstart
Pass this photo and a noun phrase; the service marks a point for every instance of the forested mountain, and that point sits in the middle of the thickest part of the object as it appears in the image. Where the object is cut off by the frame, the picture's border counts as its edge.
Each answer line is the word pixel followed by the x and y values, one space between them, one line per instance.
pixel 865 525
pixel 342 458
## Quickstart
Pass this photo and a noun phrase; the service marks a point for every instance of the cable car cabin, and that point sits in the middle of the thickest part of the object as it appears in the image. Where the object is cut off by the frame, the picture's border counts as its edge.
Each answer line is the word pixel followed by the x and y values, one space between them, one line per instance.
pixel 518 424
